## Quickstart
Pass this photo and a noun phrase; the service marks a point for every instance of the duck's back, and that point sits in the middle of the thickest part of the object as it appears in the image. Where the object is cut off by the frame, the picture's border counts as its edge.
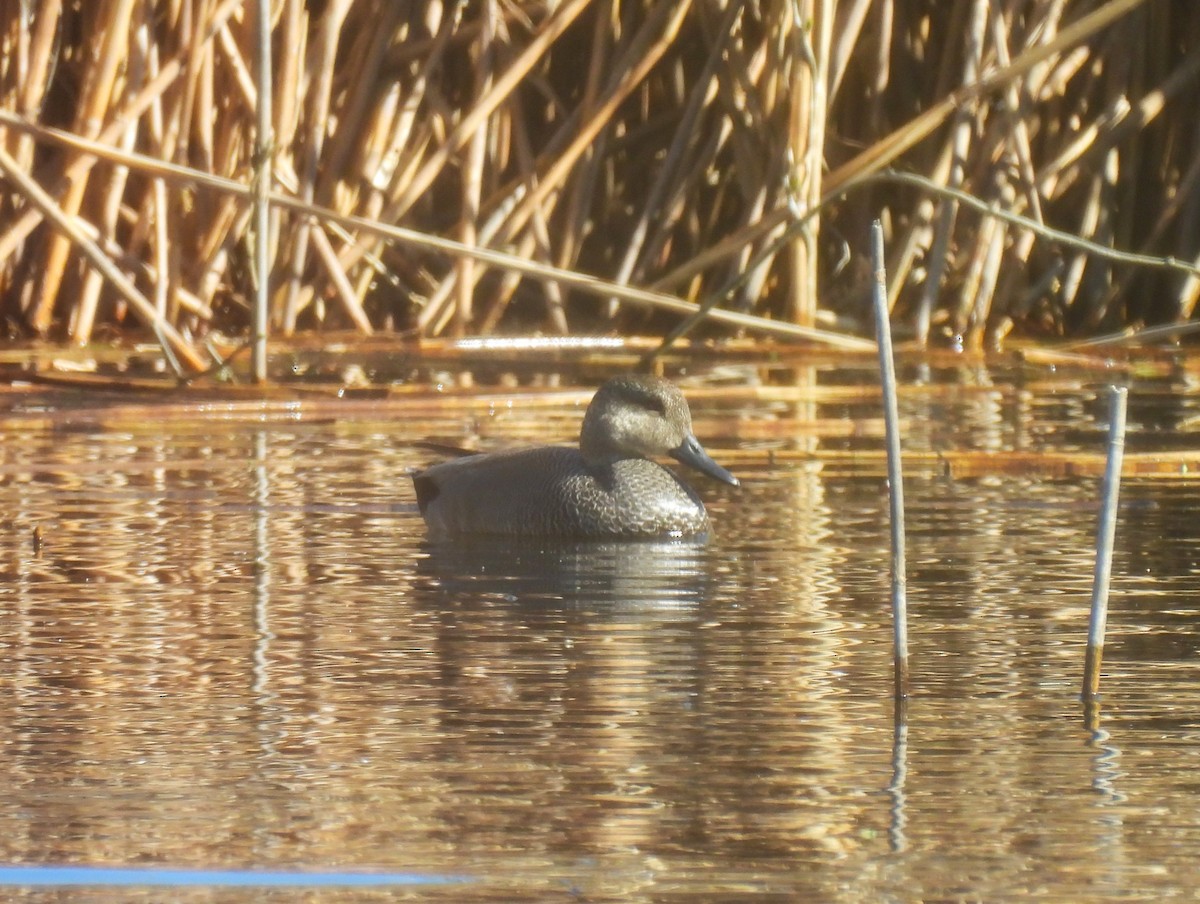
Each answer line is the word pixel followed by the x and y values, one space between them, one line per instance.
pixel 549 492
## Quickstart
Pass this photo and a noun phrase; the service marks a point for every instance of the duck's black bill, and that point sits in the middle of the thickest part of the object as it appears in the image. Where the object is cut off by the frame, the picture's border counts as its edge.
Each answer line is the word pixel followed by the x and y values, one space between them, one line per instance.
pixel 692 454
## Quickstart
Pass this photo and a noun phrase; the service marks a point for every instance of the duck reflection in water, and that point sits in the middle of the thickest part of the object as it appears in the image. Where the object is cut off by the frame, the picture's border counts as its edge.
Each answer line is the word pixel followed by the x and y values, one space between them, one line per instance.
pixel 600 576
pixel 607 488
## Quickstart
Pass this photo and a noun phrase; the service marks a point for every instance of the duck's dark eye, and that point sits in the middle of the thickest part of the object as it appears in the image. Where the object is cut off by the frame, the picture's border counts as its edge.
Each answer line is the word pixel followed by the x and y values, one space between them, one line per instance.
pixel 654 403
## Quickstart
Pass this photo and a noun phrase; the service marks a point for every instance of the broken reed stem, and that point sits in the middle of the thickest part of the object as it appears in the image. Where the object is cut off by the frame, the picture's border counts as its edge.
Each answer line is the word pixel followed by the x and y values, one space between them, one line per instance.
pixel 263 179
pixel 891 417
pixel 1118 400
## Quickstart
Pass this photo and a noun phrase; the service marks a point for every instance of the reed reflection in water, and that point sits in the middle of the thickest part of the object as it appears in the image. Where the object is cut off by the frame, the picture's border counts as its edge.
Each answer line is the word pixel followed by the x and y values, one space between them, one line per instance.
pixel 237 649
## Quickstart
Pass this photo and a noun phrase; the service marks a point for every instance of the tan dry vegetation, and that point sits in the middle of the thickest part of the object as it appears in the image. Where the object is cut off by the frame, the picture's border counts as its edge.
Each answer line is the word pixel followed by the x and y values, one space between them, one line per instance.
pixel 437 166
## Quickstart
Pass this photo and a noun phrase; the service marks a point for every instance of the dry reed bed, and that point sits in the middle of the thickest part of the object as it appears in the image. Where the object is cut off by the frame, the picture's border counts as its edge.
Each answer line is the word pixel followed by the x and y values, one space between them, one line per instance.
pixel 719 151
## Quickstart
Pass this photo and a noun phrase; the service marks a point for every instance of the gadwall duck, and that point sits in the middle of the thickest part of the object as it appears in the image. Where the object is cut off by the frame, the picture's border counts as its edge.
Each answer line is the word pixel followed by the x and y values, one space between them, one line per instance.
pixel 605 488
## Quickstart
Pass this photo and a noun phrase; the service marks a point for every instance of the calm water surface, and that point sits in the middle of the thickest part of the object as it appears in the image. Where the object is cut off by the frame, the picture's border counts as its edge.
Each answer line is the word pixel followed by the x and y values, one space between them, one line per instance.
pixel 236 651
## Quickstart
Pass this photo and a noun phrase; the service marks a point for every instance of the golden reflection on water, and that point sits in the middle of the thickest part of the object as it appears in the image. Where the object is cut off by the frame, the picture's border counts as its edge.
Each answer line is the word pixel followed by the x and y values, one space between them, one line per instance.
pixel 236 648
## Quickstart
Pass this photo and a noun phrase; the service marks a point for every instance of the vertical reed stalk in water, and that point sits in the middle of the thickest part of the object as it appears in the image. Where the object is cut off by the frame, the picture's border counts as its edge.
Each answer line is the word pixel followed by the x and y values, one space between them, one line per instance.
pixel 891 417
pixel 1105 535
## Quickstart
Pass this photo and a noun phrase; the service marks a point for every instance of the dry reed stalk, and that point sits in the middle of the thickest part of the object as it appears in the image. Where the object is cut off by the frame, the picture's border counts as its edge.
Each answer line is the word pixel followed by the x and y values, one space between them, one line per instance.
pixel 684 137
pixel 263 182
pixel 1021 149
pixel 732 244
pixel 903 261
pixel 408 137
pixel 89 295
pixel 1011 288
pixel 1132 67
pixel 504 85
pixel 184 113
pixel 34 72
pixel 1014 103
pixel 877 90
pixel 538 241
pixel 188 302
pixel 293 34
pixel 319 77
pixel 1089 222
pixel 171 339
pixel 576 212
pixel 844 38
pixel 346 292
pixel 337 186
pixel 1182 209
pixel 919 240
pixel 806 147
pixel 435 309
pixel 644 50
pixel 1056 236
pixel 985 274
pixel 153 208
pixel 80 164
pixel 888 149
pixel 473 171
pixel 400 156
pixel 962 130
pixel 1175 211
pixel 113 24
pixel 1106 530
pixel 233 58
pixel 203 146
pixel 1189 294
pixel 755 86
pixel 225 218
pixel 677 207
pixel 576 203
pixel 581 190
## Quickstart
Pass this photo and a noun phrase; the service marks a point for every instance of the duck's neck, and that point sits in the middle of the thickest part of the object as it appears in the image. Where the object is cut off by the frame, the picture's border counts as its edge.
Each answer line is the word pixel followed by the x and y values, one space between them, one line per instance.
pixel 596 442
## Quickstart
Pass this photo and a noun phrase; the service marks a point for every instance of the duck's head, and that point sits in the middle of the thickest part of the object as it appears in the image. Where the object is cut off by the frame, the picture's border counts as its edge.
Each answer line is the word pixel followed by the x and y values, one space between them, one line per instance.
pixel 642 417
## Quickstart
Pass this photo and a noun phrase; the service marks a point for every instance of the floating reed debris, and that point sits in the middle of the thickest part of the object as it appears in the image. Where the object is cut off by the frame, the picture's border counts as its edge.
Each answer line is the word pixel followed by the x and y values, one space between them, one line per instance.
pixel 891 418
pixel 1105 535
pixel 695 151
